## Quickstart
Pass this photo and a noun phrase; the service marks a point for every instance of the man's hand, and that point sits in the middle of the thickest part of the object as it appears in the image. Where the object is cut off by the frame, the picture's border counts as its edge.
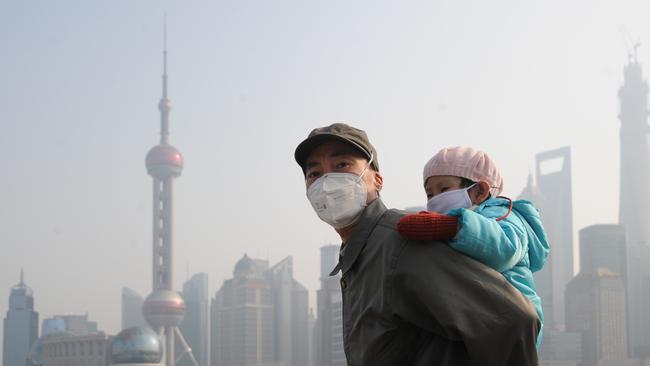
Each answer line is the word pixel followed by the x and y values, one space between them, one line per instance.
pixel 428 226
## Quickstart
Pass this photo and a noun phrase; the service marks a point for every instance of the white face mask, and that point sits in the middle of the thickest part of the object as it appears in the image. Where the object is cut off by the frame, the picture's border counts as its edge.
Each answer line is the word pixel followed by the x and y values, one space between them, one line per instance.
pixel 339 198
pixel 445 201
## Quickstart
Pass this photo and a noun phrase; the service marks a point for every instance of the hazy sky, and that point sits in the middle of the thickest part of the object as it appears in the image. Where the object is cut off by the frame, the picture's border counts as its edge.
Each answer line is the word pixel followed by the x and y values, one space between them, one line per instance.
pixel 80 83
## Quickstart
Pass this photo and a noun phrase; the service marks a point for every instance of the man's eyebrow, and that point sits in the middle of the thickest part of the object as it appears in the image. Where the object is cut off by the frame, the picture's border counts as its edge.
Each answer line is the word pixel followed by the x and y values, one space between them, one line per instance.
pixel 311 164
pixel 337 153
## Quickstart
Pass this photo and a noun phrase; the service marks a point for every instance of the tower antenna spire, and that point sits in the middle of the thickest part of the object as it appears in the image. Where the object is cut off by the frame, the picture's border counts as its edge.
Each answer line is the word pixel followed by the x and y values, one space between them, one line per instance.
pixel 165 57
pixel 165 105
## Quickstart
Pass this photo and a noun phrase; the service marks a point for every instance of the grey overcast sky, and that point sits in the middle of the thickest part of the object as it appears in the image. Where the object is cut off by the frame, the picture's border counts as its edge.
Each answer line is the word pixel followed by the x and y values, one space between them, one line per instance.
pixel 80 82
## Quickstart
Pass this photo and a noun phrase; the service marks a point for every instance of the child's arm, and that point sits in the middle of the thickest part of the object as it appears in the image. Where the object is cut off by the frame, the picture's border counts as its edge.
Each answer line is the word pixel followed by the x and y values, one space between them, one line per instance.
pixel 498 244
pixel 426 225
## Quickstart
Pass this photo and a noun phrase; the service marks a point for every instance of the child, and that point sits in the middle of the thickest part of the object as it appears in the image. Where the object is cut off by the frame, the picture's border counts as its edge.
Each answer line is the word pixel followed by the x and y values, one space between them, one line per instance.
pixel 464 208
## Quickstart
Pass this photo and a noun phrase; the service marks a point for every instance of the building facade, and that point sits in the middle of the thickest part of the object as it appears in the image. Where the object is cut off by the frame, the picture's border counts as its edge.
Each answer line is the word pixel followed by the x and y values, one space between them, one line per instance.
pixel 596 307
pixel 328 330
pixel 260 317
pixel 75 350
pixel 556 210
pixel 20 326
pixel 243 318
pixel 196 323
pixel 603 246
pixel 70 323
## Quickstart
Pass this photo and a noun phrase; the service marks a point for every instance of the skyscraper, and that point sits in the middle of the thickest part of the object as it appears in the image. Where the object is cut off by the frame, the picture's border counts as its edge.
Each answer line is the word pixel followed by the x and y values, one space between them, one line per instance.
pixel 552 195
pixel 290 319
pixel 260 316
pixel 243 318
pixel 195 325
pixel 132 309
pixel 634 203
pixel 596 307
pixel 634 209
pixel 603 246
pixel 20 326
pixel 328 330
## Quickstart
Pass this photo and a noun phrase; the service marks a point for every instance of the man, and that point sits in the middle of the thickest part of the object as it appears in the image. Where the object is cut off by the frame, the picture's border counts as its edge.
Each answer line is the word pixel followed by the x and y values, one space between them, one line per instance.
pixel 407 303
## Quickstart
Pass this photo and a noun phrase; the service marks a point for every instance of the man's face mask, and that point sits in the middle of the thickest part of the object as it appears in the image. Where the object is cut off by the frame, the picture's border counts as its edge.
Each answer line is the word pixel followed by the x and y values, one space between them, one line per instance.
pixel 446 201
pixel 339 198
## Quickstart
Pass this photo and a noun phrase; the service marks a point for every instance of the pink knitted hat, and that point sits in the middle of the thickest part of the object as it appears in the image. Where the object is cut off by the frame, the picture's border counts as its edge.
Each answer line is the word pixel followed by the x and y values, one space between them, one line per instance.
pixel 465 162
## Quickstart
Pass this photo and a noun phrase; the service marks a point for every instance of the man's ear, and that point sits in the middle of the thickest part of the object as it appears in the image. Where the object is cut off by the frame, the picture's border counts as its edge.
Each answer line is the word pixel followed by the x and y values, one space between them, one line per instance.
pixel 378 180
pixel 480 192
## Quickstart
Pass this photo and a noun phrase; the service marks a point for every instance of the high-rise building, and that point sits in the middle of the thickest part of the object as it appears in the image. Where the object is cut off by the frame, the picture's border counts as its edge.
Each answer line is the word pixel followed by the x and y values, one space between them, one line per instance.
pixel 634 209
pixel 311 321
pixel 20 326
pixel 132 309
pixel 596 307
pixel 634 200
pixel 328 330
pixel 603 246
pixel 195 325
pixel 243 318
pixel 260 317
pixel 290 315
pixel 552 195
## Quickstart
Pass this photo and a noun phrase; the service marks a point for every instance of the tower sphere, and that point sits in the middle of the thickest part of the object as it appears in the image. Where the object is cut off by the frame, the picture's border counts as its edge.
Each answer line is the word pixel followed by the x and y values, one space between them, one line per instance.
pixel 164 161
pixel 164 308
pixel 136 346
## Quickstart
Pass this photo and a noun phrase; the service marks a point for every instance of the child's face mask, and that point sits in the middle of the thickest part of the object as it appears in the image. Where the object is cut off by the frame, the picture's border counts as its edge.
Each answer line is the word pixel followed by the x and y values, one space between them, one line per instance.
pixel 446 201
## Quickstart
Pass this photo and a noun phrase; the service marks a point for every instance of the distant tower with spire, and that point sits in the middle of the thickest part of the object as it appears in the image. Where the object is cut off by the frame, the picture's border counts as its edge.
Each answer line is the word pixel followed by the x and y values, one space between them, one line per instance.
pixel 20 328
pixel 634 209
pixel 634 204
pixel 164 308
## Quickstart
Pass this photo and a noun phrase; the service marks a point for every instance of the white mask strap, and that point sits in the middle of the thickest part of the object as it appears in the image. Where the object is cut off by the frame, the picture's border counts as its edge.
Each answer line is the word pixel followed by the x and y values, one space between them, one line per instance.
pixel 367 166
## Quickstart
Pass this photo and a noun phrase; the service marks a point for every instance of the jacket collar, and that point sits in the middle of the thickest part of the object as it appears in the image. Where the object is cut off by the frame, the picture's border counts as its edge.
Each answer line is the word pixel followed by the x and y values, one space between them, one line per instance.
pixel 353 247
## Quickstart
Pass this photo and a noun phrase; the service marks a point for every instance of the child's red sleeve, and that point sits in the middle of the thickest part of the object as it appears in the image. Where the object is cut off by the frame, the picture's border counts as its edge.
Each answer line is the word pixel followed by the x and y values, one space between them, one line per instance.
pixel 428 226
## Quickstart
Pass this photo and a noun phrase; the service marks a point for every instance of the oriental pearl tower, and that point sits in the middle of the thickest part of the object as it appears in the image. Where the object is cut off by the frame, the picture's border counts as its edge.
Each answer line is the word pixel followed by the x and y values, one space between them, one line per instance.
pixel 164 308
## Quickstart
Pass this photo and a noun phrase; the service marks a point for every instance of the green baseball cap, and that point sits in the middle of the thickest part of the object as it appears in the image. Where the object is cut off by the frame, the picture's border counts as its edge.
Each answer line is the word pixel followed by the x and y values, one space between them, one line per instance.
pixel 339 132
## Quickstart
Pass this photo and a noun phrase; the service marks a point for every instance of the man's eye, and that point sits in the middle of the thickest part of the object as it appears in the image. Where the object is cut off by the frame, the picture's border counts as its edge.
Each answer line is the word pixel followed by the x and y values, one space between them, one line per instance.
pixel 343 164
pixel 312 174
pixel 444 189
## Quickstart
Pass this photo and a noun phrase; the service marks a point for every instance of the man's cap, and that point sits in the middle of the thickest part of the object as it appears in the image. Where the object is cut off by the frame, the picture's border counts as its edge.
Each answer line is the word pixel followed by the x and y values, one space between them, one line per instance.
pixel 338 132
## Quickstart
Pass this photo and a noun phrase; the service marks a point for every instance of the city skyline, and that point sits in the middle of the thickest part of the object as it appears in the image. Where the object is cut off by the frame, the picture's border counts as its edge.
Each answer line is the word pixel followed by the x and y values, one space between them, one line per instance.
pixel 94 119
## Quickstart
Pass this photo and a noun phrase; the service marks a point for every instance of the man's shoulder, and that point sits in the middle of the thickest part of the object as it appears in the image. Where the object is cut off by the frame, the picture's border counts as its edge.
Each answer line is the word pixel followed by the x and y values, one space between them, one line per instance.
pixel 390 218
pixel 386 232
